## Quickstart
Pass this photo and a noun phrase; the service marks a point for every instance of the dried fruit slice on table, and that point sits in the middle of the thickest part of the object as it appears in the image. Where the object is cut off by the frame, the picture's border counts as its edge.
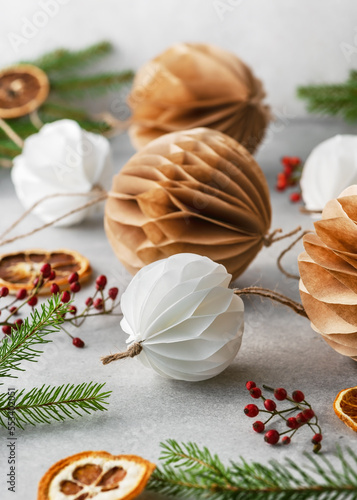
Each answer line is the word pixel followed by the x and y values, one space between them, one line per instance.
pixel 95 474
pixel 345 406
pixel 23 89
pixel 19 269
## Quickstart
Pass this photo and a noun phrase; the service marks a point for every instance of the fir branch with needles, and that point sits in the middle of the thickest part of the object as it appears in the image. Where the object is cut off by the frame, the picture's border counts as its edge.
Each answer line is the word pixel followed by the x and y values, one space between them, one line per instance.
pixel 80 85
pixel 48 403
pixel 334 99
pixel 188 471
pixel 23 343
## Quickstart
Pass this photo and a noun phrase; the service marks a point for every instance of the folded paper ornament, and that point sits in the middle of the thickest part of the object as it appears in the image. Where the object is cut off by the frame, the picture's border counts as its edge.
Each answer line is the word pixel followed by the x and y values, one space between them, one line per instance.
pixel 196 85
pixel 329 169
pixel 182 319
pixel 195 191
pixel 328 271
pixel 62 159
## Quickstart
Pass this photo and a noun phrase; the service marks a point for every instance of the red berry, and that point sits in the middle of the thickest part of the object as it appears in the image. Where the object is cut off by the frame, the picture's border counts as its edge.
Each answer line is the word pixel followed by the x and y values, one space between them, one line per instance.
pixel 46 270
pixel 295 197
pixel 258 426
pixel 292 423
pixel 281 182
pixel 286 440
pixel 52 276
pixel 73 277
pixel 54 288
pixel 18 322
pixel 89 301
pixel 21 294
pixel 100 282
pixel 66 297
pixel 78 342
pixel 301 419
pixel 251 410
pixel 6 329
pixel 250 385
pixel 4 291
pixel 270 405
pixel 271 437
pixel 255 392
pixel 98 304
pixel 13 310
pixel 75 287
pixel 317 439
pixel 113 292
pixel 72 310
pixel 32 301
pixel 298 396
pixel 308 413
pixel 280 394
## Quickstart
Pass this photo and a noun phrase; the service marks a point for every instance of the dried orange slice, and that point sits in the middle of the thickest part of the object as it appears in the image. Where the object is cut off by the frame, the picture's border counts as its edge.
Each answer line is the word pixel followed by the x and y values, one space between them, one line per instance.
pixel 345 406
pixel 19 269
pixel 95 474
pixel 23 89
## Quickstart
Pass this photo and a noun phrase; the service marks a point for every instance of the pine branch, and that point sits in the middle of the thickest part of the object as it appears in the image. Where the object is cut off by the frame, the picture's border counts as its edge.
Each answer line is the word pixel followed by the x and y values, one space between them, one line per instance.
pixel 52 403
pixel 191 472
pixel 340 99
pixel 62 60
pixel 77 86
pixel 51 111
pixel 23 343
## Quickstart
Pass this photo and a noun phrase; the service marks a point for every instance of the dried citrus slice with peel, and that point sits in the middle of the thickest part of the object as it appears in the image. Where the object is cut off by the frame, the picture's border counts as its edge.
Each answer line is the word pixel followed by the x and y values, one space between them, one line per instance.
pixel 23 89
pixel 19 269
pixel 345 406
pixel 95 474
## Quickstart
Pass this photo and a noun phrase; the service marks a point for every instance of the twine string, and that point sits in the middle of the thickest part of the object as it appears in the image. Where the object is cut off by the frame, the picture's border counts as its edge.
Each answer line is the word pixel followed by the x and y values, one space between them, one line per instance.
pixel 131 352
pixel 280 266
pixel 100 193
pixel 271 238
pixel 277 297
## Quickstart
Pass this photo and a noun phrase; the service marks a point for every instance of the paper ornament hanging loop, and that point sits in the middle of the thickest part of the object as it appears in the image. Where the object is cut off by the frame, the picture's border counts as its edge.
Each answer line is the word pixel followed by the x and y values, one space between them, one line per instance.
pixel 193 191
pixel 198 85
pixel 328 272
pixel 182 319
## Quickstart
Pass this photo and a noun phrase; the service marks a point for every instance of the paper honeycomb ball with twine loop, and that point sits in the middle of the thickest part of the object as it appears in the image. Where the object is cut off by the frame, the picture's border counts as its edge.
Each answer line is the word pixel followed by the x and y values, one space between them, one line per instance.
pixel 197 85
pixel 328 271
pixel 195 191
pixel 182 319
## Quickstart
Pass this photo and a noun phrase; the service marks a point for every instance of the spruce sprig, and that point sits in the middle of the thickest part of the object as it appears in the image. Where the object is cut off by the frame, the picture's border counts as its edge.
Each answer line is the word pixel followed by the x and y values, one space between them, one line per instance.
pixel 66 60
pixel 75 86
pixel 188 471
pixel 42 405
pixel 334 99
pixel 24 342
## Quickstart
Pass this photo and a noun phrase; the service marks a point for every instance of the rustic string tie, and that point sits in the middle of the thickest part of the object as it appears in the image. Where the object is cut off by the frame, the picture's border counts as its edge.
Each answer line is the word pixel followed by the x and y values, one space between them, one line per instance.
pixel 132 351
pixel 271 238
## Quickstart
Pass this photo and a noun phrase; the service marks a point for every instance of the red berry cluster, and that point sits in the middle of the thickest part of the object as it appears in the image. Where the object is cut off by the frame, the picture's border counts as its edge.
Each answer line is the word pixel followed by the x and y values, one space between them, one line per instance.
pixel 99 303
pixel 290 176
pixel 305 415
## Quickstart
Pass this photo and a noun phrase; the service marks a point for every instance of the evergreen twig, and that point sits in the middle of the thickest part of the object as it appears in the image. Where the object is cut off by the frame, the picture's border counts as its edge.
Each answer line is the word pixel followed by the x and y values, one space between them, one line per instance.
pixel 66 60
pixel 76 86
pixel 188 471
pixel 335 99
pixel 50 403
pixel 23 343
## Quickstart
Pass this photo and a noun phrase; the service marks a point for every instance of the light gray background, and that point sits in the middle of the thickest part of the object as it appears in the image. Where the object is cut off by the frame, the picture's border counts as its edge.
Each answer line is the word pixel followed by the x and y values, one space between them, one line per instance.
pixel 286 42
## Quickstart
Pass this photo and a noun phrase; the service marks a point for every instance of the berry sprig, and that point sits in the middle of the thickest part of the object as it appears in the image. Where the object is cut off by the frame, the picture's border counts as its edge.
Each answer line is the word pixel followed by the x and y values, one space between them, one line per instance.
pixel 99 304
pixel 305 415
pixel 290 176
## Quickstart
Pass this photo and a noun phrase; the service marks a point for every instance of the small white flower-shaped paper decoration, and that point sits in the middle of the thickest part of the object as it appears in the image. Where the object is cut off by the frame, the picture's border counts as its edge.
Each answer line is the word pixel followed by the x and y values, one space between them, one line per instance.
pixel 189 323
pixel 61 158
pixel 330 168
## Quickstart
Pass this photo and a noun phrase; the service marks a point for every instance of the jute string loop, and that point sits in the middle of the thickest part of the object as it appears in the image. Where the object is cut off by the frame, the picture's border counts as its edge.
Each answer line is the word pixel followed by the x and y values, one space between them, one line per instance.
pixel 277 297
pixel 131 352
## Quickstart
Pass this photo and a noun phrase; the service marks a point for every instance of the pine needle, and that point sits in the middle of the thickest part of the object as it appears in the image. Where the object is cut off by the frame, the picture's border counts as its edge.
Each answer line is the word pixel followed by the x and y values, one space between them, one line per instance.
pixel 62 60
pixel 23 344
pixel 49 403
pixel 188 471
pixel 76 86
